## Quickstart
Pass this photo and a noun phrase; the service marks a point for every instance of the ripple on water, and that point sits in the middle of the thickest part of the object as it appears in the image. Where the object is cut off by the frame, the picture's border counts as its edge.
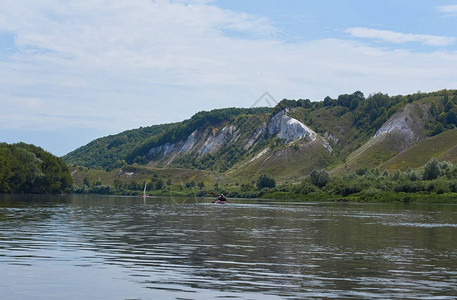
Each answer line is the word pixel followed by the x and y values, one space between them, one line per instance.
pixel 162 249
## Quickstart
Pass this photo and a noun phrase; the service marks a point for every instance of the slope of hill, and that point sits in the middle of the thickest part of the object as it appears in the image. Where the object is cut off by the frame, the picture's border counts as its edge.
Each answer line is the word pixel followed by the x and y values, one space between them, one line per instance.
pixel 110 152
pixel 290 140
pixel 403 129
pixel 442 146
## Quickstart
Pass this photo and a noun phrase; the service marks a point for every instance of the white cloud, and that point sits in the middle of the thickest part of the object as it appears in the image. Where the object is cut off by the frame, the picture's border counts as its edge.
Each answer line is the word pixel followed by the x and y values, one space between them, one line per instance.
pixel 448 9
pixel 398 37
pixel 116 65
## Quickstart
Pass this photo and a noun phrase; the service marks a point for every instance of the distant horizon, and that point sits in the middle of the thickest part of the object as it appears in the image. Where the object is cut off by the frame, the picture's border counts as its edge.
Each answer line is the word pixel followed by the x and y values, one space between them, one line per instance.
pixel 74 72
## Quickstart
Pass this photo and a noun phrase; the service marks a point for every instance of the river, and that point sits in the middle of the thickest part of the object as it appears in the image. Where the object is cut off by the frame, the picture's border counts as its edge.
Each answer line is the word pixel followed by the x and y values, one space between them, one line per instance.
pixel 106 247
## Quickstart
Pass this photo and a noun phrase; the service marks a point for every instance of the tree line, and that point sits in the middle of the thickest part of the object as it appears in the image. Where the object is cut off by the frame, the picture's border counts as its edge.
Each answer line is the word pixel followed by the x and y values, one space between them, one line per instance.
pixel 26 168
pixel 437 177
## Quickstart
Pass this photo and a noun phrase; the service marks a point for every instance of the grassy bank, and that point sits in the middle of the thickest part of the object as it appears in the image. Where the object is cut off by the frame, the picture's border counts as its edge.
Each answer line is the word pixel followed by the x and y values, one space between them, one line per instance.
pixel 437 182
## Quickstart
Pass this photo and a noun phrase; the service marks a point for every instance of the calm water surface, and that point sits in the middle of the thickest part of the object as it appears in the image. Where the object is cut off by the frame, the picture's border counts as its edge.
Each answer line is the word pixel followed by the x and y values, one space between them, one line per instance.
pixel 85 247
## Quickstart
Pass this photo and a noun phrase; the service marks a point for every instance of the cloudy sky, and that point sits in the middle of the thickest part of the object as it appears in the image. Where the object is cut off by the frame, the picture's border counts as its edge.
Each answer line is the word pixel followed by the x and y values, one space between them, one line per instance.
pixel 72 71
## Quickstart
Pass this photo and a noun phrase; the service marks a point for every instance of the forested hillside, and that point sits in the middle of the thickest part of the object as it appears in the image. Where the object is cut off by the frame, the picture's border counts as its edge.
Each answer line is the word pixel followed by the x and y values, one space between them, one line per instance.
pixel 342 134
pixel 29 169
pixel 132 146
pixel 378 147
pixel 111 152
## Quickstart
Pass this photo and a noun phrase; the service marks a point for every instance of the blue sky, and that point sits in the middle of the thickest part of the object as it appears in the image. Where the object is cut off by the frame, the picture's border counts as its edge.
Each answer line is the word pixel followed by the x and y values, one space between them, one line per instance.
pixel 73 71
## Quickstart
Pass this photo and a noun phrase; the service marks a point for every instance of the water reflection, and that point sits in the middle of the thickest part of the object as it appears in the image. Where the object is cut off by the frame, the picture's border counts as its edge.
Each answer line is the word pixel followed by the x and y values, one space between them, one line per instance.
pixel 171 248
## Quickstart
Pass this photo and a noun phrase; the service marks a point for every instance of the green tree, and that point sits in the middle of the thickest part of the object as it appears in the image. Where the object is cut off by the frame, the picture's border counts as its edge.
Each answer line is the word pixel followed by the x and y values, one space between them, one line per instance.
pixel 319 178
pixel 432 170
pixel 27 168
pixel 159 184
pixel 265 181
pixel 5 169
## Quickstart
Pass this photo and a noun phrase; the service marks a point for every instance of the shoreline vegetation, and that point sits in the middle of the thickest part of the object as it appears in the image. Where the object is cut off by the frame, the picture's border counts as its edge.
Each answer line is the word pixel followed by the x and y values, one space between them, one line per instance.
pixel 435 183
pixel 378 148
pixel 27 169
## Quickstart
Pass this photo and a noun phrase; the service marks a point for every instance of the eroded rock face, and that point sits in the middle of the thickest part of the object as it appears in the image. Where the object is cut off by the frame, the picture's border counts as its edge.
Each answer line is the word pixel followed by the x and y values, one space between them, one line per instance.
pixel 251 142
pixel 403 129
pixel 406 124
pixel 289 129
pixel 211 140
pixel 331 137
pixel 191 141
pixel 199 141
pixel 215 141
pixel 165 148
pixel 397 125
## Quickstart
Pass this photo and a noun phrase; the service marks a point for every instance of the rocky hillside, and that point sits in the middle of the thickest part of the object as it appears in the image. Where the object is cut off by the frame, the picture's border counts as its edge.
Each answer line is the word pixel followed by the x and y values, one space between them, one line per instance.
pixel 243 136
pixel 405 128
pixel 290 140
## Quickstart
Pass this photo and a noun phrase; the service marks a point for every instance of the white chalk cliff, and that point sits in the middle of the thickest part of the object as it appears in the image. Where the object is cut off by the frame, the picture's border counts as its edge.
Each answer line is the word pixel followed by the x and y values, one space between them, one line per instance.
pixel 406 124
pixel 212 139
pixel 289 129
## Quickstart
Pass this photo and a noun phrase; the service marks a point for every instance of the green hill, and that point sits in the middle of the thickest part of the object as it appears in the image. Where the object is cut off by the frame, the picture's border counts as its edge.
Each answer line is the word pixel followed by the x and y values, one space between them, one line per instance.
pixel 28 169
pixel 110 152
pixel 237 145
pixel 442 146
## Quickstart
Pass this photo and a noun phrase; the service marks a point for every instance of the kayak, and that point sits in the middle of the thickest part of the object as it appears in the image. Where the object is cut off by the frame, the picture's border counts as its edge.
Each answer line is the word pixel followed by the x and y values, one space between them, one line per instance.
pixel 220 201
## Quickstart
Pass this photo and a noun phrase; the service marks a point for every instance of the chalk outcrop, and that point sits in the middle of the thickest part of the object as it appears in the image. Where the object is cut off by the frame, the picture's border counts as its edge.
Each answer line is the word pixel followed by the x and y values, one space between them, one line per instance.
pixel 200 141
pixel 407 125
pixel 289 129
pixel 210 140
pixel 402 130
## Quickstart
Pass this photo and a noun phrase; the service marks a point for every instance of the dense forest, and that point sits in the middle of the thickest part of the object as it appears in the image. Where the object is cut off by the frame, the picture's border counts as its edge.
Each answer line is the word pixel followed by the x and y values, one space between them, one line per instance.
pixel 27 168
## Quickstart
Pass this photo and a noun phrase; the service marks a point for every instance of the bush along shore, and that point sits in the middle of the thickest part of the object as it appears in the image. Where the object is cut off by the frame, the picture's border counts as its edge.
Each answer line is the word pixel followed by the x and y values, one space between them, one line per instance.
pixel 436 182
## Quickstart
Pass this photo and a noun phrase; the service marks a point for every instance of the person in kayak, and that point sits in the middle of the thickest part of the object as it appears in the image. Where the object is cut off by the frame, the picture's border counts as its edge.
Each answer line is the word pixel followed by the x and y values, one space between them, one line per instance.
pixel 220 199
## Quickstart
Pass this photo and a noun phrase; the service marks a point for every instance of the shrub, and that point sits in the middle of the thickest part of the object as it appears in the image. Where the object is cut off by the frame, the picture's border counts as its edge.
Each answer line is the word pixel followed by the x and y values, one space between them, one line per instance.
pixel 439 186
pixel 265 181
pixel 371 192
pixel 304 188
pixel 319 178
pixel 409 187
pixel 432 170
pixel 100 189
pixel 346 188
